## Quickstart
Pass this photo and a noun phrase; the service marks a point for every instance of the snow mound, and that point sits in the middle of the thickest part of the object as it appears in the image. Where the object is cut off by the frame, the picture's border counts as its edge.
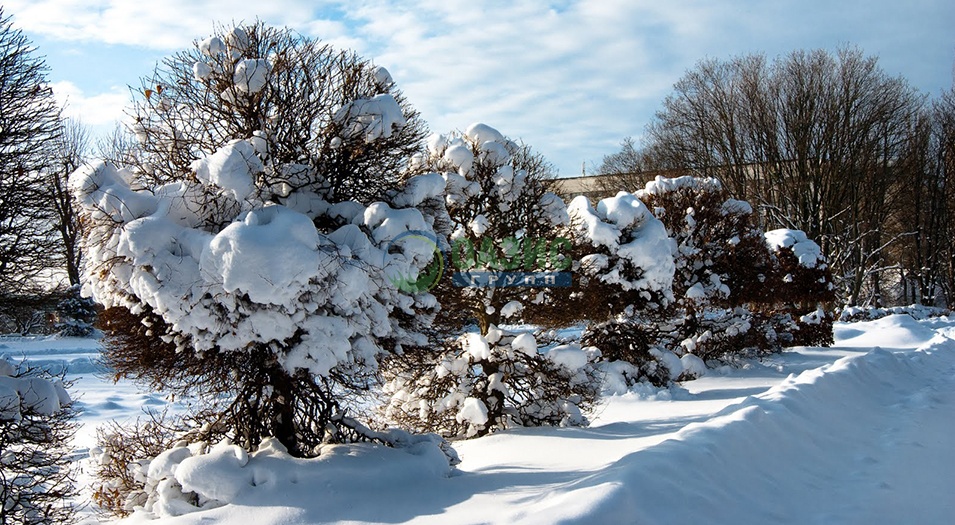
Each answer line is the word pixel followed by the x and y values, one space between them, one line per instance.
pixel 218 482
pixel 33 394
pixel 893 331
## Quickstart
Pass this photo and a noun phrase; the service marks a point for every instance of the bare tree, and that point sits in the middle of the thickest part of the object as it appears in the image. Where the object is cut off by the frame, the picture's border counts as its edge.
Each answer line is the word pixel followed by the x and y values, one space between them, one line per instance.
pixel 925 274
pixel 29 125
pixel 72 149
pixel 812 139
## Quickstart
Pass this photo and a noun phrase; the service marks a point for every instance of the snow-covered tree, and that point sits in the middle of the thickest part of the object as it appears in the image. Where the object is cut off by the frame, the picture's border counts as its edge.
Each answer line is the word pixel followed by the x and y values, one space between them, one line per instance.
pixel 801 290
pixel 501 217
pixel 245 256
pixel 501 222
pixel 36 429
pixel 731 291
pixel 334 120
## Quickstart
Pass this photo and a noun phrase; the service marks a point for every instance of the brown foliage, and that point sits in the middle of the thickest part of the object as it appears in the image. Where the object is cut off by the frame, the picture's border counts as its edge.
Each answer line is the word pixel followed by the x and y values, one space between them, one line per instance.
pixel 245 395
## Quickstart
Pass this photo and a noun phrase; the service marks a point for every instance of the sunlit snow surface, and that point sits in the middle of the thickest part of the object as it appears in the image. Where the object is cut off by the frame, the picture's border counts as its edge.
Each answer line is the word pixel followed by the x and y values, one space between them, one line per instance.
pixel 858 433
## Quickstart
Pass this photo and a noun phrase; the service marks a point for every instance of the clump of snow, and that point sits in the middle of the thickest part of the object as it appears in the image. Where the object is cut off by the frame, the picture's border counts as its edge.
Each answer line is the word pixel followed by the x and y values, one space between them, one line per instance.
pixel 472 411
pixel 696 292
pixel 736 207
pixel 480 133
pixel 661 185
pixel 668 360
pixel 420 188
pixel 251 75
pixel 231 168
pixel 372 118
pixel 636 248
pixel 212 46
pixel 525 343
pixel 382 77
pixel 458 154
pixel 807 252
pixel 571 356
pixel 476 345
pixel 241 258
pixel 693 366
pixel 512 309
pixel 201 71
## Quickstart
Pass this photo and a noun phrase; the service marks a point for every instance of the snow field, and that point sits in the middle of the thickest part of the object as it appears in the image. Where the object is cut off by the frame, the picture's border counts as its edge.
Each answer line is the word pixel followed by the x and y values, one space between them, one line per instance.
pixel 852 434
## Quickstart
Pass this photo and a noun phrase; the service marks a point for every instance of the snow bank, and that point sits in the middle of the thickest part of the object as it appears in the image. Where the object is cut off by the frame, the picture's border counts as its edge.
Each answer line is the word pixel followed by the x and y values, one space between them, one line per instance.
pixel 782 456
pixel 892 331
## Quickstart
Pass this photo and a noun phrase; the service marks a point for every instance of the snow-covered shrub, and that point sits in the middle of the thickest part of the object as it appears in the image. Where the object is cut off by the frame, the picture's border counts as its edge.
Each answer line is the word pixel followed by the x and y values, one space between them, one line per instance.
pixel 801 286
pixel 916 311
pixel 623 266
pixel 121 452
pixel 245 256
pixel 502 223
pixel 36 430
pixel 735 289
pixel 622 256
pixel 481 383
pixel 500 217
pixel 76 314
pixel 628 353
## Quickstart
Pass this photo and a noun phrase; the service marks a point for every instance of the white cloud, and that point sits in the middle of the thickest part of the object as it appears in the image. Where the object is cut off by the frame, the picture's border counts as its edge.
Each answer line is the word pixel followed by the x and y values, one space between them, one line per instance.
pixel 569 77
pixel 170 24
pixel 565 81
pixel 100 109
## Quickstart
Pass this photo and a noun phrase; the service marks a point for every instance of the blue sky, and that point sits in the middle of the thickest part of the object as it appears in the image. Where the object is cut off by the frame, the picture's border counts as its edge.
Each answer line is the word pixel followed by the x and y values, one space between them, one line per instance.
pixel 571 78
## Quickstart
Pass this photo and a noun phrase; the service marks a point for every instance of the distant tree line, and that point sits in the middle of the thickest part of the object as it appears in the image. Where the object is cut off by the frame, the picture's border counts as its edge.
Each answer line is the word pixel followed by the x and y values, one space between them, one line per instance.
pixel 826 143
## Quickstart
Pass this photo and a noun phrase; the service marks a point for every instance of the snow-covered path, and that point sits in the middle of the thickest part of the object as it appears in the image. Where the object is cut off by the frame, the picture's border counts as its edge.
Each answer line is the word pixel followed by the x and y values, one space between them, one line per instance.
pixel 867 439
pixel 851 434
